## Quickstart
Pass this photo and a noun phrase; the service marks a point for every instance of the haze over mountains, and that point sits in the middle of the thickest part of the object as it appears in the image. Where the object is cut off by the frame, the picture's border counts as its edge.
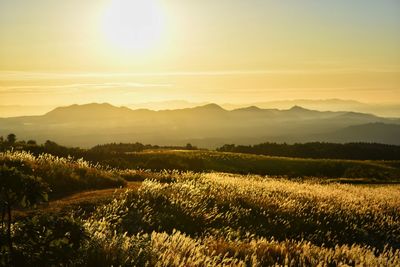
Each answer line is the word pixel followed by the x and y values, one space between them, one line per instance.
pixel 380 109
pixel 205 126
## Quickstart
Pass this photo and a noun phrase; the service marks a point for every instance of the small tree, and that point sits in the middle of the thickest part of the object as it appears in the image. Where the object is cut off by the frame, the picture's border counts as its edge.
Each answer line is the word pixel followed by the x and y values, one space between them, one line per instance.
pixel 189 146
pixel 11 138
pixel 31 143
pixel 18 189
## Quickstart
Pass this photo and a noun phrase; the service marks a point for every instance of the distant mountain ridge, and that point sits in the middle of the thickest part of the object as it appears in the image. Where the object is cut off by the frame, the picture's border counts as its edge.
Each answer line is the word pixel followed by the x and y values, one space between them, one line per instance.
pixel 88 111
pixel 380 109
pixel 208 125
pixel 379 132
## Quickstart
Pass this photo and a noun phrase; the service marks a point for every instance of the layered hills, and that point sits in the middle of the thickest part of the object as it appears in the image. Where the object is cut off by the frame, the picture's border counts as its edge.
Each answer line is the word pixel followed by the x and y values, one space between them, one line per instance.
pixel 205 126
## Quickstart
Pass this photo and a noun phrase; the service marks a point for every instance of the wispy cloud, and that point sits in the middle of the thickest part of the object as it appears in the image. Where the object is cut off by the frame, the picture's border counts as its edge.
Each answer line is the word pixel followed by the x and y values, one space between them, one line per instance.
pixel 78 86
pixel 20 75
pixel 313 89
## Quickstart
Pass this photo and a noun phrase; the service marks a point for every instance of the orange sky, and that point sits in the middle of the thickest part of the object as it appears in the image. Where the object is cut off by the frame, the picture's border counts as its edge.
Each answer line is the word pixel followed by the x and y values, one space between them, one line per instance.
pixel 121 51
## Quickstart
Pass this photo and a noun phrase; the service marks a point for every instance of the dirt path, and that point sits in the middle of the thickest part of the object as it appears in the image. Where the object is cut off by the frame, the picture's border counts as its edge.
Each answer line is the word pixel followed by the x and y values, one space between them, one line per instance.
pixel 77 200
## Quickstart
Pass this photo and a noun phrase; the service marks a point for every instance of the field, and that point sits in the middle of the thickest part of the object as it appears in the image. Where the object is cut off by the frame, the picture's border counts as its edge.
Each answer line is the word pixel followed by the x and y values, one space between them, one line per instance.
pixel 231 220
pixel 185 218
pixel 211 161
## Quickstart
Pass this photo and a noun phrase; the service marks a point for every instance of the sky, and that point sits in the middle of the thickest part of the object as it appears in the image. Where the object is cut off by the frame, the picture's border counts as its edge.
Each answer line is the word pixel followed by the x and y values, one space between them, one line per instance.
pixel 133 51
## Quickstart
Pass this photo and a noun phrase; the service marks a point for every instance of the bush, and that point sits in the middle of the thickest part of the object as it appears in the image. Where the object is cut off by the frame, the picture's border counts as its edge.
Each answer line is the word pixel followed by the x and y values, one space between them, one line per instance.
pixel 64 175
pixel 48 240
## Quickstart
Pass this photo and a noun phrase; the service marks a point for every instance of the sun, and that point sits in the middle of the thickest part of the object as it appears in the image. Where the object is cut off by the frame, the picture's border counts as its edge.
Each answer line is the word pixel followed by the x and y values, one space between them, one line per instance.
pixel 133 25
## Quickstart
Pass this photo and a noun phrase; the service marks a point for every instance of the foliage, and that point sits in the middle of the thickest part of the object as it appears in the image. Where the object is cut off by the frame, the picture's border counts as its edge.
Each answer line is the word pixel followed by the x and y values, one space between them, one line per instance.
pixel 11 138
pixel 20 189
pixel 17 189
pixel 317 150
pixel 48 240
pixel 64 175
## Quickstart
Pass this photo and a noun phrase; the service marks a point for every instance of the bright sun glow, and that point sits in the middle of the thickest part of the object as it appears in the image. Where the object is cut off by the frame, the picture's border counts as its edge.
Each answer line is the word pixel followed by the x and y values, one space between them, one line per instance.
pixel 134 25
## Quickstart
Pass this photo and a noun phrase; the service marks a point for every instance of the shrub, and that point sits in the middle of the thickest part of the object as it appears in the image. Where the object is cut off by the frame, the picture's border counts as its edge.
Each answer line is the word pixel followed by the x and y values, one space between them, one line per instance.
pixel 48 240
pixel 64 175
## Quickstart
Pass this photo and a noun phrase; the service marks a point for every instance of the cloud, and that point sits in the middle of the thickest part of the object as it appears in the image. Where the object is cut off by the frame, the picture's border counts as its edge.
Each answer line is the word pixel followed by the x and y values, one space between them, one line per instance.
pixel 312 89
pixel 78 87
pixel 20 75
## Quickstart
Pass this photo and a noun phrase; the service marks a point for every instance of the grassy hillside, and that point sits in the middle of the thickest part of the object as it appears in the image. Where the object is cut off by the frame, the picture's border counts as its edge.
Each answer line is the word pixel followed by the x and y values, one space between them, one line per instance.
pixel 189 158
pixel 178 218
pixel 318 150
pixel 255 164
pixel 63 175
pixel 226 220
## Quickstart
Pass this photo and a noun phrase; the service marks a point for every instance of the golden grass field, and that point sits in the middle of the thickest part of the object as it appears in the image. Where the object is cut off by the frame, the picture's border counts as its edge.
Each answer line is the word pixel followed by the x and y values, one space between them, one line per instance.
pixel 185 218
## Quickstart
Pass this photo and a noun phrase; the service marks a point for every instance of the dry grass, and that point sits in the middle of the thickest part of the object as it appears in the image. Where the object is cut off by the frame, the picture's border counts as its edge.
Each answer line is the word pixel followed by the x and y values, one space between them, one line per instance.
pixel 231 220
pixel 218 219
pixel 64 205
pixel 63 175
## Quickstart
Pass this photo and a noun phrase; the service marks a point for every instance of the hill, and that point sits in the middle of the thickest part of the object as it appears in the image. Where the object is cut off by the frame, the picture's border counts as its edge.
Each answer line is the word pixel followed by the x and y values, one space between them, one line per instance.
pixel 318 150
pixel 381 109
pixel 370 132
pixel 210 161
pixel 204 126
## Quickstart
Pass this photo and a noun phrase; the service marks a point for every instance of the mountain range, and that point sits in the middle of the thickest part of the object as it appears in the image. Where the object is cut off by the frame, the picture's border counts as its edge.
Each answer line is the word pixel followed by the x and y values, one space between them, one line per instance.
pixel 380 109
pixel 205 126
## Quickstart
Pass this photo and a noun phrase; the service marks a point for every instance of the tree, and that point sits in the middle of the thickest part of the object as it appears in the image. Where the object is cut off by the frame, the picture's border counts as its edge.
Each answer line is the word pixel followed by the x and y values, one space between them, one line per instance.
pixel 18 189
pixel 11 138
pixel 31 143
pixel 189 146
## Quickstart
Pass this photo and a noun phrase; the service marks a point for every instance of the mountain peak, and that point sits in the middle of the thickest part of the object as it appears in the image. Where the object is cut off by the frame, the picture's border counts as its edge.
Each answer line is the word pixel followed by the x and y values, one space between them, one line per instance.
pixel 250 108
pixel 298 109
pixel 211 106
pixel 91 109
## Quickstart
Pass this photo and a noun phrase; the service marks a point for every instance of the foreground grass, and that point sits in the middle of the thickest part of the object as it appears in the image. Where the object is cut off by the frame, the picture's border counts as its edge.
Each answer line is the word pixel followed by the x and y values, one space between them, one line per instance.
pixel 217 219
pixel 176 218
pixel 328 214
pixel 231 220
pixel 63 175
